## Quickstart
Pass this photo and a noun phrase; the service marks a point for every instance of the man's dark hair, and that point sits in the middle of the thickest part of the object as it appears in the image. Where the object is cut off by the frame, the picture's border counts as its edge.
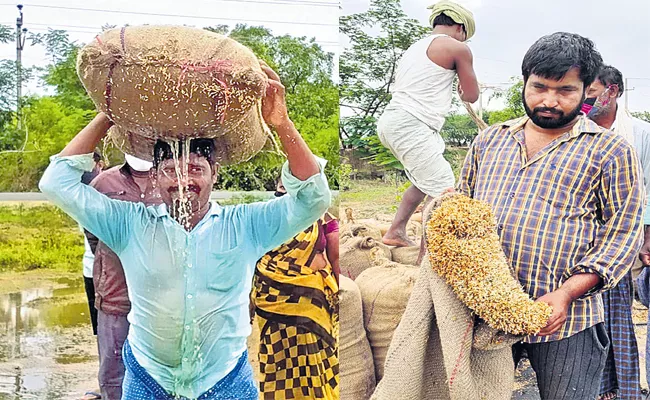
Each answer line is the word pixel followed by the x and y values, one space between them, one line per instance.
pixel 609 75
pixel 97 156
pixel 552 56
pixel 201 147
pixel 445 20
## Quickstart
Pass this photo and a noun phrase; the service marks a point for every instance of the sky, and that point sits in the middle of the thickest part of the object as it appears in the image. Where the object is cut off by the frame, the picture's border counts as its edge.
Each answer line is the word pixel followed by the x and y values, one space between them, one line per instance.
pixel 505 29
pixel 310 18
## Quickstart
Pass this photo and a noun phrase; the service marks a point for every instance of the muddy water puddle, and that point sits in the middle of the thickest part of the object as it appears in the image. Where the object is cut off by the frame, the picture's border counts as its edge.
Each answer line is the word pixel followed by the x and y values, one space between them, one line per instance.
pixel 47 350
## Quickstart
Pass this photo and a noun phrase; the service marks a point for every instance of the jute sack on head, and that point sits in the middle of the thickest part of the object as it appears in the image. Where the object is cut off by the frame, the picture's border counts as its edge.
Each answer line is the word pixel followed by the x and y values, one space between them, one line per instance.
pixel 357 254
pixel 357 370
pixel 385 291
pixel 174 82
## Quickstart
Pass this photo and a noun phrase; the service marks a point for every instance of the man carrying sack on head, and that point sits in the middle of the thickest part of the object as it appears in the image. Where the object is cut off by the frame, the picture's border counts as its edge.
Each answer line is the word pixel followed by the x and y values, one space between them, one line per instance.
pixel 189 283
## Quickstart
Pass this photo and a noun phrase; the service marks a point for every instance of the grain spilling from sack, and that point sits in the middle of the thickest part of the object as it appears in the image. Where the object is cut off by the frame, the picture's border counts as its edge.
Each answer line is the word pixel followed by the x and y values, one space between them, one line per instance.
pixel 175 82
pixel 357 369
pixel 464 249
pixel 357 254
pixel 385 291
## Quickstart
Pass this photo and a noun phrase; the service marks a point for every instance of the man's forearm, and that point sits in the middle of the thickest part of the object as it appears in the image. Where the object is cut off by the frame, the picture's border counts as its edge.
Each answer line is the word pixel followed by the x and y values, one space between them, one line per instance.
pixel 579 284
pixel 87 140
pixel 301 160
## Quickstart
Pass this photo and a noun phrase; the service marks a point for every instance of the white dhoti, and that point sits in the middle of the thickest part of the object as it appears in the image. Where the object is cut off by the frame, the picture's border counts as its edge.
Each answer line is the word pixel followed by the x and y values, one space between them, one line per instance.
pixel 419 148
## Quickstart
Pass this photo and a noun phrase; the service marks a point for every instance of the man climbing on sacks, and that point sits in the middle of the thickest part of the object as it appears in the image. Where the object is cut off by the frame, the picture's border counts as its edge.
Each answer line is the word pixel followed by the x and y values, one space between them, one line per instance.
pixel 421 98
pixel 568 199
pixel 189 285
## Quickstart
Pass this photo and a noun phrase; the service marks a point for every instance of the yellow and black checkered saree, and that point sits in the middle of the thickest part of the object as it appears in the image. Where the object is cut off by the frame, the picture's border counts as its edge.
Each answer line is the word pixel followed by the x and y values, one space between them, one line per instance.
pixel 297 312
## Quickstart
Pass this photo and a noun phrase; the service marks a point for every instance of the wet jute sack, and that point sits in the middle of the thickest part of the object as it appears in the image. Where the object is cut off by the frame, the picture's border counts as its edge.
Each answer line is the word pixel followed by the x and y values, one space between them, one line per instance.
pixel 357 370
pixel 441 351
pixel 174 82
pixel 385 291
pixel 357 254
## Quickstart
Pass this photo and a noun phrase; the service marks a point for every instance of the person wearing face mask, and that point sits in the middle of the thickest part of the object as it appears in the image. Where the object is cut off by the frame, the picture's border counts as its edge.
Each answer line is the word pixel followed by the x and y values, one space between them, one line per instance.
pixel 128 182
pixel 621 374
pixel 421 98
pixel 568 200
pixel 305 271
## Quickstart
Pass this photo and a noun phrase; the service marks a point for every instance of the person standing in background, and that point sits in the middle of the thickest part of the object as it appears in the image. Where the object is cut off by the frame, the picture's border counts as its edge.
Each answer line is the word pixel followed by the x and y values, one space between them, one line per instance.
pixel 621 375
pixel 129 182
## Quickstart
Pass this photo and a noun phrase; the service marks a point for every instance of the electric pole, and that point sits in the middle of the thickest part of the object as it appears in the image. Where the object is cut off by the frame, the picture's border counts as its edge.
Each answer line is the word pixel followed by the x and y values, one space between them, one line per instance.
pixel 627 89
pixel 21 33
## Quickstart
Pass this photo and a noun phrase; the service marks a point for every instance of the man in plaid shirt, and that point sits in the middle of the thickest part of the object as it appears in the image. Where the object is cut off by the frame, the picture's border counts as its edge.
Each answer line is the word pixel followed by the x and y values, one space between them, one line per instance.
pixel 568 199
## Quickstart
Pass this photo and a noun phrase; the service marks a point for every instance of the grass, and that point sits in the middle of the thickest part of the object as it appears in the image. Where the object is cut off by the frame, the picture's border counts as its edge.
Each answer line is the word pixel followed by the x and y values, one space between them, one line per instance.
pixel 39 237
pixel 42 237
pixel 368 197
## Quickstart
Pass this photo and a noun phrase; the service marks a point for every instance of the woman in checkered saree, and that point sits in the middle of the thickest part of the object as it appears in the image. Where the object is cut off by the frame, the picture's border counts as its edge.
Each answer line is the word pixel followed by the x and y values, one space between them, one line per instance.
pixel 294 292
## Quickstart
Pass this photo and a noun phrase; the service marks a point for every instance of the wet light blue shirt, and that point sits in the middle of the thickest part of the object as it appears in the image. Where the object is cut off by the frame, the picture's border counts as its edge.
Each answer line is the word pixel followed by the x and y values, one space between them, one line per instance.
pixel 189 290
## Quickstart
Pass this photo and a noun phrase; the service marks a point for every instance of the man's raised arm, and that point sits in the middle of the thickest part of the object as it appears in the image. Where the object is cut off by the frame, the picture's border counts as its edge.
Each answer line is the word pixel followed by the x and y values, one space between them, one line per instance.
pixel 61 184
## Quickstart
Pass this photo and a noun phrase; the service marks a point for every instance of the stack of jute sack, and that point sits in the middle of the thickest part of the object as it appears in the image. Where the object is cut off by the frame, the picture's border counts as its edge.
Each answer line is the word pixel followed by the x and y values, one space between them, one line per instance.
pixel 175 83
pixel 376 281
pixel 442 330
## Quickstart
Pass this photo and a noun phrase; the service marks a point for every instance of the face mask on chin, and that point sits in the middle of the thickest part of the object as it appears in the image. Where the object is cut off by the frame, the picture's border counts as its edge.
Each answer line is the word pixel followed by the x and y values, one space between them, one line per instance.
pixel 138 164
pixel 594 105
pixel 588 105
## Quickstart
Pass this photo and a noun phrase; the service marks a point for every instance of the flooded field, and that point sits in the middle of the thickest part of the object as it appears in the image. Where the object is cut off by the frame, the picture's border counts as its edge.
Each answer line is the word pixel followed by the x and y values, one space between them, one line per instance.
pixel 47 349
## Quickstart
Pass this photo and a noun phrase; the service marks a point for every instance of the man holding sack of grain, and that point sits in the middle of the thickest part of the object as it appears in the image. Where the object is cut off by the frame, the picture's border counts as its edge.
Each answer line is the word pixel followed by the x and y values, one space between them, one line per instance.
pixel 568 198
pixel 188 262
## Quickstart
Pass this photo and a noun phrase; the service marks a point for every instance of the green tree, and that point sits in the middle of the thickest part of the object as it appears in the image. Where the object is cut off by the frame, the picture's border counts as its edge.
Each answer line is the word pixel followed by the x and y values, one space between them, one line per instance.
pixel 49 126
pixel 514 103
pixel 53 120
pixel 312 99
pixel 367 71
pixel 459 130
pixel 644 115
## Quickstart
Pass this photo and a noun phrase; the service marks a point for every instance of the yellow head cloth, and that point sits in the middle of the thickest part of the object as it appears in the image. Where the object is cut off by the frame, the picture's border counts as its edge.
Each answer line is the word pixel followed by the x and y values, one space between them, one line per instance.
pixel 455 11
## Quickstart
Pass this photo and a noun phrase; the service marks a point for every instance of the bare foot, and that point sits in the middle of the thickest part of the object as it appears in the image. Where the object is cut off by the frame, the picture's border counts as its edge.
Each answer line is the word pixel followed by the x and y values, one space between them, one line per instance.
pixel 392 239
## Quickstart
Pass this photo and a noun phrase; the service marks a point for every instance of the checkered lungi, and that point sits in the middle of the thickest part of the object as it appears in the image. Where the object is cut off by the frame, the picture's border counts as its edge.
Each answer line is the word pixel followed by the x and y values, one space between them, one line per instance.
pixel 296 364
pixel 621 374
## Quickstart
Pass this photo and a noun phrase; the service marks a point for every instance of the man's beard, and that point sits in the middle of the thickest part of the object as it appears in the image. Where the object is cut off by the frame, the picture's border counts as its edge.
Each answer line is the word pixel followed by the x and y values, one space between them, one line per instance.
pixel 551 122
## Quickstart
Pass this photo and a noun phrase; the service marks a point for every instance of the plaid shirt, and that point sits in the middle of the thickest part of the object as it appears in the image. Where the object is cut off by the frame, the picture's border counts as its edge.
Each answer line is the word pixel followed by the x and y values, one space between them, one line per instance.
pixel 575 207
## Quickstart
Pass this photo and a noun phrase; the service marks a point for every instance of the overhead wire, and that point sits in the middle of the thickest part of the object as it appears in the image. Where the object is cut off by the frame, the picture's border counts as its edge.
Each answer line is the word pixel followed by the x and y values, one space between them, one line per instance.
pixel 178 15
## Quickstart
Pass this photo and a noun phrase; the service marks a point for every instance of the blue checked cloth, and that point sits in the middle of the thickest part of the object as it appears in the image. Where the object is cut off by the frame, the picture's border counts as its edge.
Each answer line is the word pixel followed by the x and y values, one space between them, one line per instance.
pixel 621 372
pixel 643 288
pixel 239 384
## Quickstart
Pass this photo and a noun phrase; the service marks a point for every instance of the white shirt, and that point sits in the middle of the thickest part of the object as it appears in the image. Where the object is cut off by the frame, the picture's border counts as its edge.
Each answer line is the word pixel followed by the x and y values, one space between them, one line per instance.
pixel 423 88
pixel 88 259
pixel 637 133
